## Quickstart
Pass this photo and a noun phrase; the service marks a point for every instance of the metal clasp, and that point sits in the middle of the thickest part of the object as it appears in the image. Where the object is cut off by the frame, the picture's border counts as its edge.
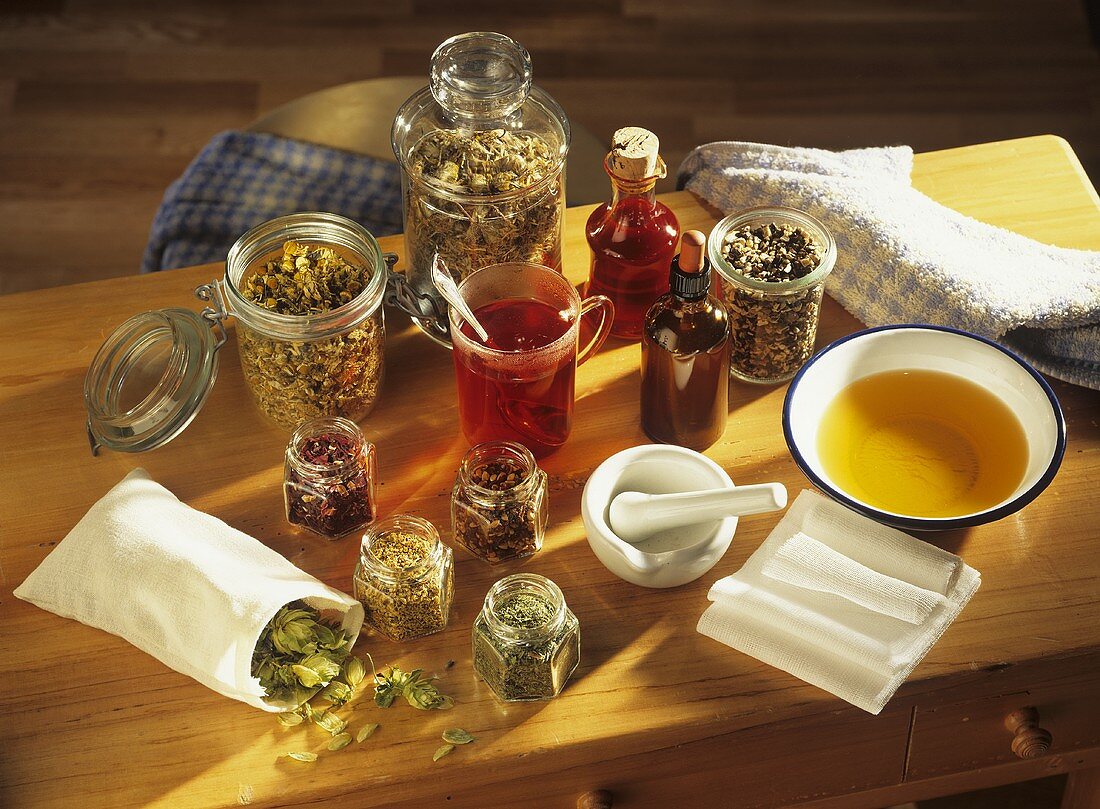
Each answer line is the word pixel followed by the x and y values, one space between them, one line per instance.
pixel 428 311
pixel 215 314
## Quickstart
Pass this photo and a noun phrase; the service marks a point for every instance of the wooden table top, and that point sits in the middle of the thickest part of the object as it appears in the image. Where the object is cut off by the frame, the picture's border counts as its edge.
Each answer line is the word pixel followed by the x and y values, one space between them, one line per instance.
pixel 89 719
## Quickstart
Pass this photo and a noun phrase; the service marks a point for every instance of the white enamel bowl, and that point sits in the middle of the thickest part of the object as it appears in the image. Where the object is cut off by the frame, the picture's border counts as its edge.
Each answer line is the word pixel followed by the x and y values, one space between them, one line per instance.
pixel 932 348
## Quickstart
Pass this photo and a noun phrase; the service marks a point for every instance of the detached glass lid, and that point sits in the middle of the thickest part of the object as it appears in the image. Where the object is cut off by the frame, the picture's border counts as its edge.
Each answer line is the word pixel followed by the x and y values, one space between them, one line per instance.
pixel 152 375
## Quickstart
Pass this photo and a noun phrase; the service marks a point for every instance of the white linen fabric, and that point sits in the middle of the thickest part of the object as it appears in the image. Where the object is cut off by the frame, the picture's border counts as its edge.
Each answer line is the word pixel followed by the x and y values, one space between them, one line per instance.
pixel 836 624
pixel 904 258
pixel 178 584
pixel 805 562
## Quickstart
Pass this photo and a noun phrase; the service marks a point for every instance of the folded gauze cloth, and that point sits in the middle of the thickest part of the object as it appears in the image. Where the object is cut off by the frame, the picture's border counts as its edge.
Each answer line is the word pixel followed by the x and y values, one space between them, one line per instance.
pixel 903 258
pixel 178 584
pixel 840 601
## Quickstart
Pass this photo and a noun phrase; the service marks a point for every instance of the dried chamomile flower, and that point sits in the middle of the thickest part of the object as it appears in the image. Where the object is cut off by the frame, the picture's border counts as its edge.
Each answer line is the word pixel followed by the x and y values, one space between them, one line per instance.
pixel 336 375
pixel 473 234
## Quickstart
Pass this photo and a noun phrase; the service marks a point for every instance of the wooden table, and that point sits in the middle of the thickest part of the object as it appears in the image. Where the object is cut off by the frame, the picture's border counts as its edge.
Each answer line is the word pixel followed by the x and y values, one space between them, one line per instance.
pixel 656 713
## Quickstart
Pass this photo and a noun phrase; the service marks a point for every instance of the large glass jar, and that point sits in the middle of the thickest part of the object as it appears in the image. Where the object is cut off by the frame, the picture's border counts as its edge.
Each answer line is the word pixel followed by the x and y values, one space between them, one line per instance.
pixel 499 502
pixel 323 363
pixel 328 479
pixel 773 310
pixel 482 152
pixel 526 641
pixel 405 578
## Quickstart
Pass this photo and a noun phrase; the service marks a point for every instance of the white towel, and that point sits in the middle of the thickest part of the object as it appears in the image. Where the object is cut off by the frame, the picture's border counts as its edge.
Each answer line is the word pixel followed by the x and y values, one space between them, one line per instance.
pixel 904 258
pixel 835 633
pixel 178 584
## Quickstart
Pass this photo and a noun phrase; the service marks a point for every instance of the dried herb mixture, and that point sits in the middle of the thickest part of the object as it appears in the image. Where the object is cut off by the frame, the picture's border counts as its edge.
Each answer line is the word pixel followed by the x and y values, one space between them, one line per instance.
pixel 771 335
pixel 507 523
pixel 295 380
pixel 535 665
pixel 470 235
pixel 339 499
pixel 408 595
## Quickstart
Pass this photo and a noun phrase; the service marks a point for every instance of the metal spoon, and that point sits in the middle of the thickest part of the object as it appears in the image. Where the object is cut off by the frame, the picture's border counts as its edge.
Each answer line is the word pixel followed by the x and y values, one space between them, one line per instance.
pixel 447 287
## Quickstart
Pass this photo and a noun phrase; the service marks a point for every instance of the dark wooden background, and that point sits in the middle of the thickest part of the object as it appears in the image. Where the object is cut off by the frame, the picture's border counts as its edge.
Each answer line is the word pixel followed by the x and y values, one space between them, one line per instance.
pixel 104 102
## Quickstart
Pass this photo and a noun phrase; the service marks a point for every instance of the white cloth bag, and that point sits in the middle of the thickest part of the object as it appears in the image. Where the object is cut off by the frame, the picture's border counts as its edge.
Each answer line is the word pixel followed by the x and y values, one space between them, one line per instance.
pixel 178 584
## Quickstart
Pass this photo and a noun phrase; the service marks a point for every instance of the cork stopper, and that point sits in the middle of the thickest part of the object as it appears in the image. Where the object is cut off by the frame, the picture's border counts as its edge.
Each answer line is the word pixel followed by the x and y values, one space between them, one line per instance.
pixel 634 154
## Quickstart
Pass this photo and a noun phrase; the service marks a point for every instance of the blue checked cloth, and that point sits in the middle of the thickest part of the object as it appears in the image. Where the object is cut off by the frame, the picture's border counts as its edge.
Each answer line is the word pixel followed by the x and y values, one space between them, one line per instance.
pixel 904 258
pixel 241 179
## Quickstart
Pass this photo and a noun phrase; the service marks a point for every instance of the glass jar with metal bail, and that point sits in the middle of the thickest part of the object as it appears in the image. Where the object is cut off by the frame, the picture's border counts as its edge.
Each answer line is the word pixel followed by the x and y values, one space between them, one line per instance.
pixel 482 153
pixel 405 578
pixel 155 371
pixel 526 641
pixel 307 290
pixel 499 502
pixel 328 482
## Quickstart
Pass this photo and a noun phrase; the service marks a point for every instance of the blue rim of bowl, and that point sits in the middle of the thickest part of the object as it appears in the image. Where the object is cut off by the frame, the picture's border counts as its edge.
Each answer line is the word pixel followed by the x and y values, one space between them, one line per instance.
pixel 930 523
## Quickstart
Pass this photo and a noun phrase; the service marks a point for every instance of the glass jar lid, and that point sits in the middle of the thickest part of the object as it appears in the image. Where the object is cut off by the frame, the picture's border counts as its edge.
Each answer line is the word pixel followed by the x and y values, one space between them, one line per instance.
pixel 481 75
pixel 479 81
pixel 151 377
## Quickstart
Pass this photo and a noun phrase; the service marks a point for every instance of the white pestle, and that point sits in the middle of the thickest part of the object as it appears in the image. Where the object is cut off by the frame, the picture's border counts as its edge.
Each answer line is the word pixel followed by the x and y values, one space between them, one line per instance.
pixel 634 516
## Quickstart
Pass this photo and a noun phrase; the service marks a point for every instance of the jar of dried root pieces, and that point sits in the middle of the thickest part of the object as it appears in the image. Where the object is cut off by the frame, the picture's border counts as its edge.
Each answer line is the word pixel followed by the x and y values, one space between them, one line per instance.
pixel 482 153
pixel 405 578
pixel 306 290
pixel 526 641
pixel 499 502
pixel 773 263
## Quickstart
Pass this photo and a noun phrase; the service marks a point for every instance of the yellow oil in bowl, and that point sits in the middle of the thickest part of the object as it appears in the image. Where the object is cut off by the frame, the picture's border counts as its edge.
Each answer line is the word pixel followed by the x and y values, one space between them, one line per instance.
pixel 922 443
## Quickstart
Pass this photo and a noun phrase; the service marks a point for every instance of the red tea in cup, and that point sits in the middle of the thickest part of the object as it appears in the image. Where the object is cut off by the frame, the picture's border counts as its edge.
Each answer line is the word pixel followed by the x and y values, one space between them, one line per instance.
pixel 519 385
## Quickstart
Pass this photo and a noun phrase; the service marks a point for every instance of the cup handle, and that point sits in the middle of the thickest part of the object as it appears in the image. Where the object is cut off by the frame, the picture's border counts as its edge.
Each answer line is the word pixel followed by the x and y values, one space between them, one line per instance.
pixel 607 318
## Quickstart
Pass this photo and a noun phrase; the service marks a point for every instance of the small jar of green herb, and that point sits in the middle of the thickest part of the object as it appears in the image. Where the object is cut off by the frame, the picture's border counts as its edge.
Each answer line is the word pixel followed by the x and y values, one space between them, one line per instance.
pixel 405 578
pixel 526 641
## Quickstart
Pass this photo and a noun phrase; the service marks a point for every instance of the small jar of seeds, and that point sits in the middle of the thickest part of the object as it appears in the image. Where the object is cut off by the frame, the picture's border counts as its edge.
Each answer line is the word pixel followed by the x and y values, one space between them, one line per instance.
pixel 526 641
pixel 405 578
pixel 499 502
pixel 328 481
pixel 773 263
pixel 306 290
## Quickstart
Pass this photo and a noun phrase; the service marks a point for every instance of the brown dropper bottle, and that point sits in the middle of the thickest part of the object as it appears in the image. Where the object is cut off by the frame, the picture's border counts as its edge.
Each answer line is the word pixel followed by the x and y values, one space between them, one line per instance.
pixel 686 355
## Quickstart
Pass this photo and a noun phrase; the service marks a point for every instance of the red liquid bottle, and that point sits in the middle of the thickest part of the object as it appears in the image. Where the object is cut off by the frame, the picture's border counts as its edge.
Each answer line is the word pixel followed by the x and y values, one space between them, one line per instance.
pixel 633 237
